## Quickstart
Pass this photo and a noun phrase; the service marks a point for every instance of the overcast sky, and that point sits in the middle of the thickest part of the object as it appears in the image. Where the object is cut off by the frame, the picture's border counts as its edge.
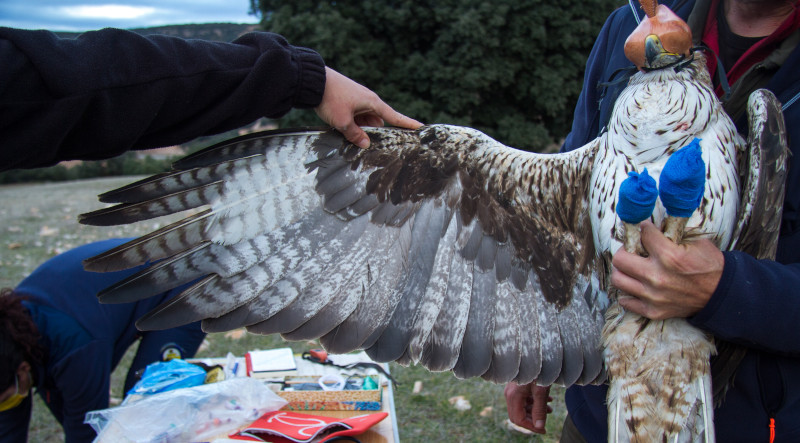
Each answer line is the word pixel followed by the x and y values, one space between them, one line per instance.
pixel 84 15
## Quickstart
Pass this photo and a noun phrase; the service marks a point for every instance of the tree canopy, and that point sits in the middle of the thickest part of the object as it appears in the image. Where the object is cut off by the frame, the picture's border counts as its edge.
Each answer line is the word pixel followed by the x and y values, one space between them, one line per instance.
pixel 511 68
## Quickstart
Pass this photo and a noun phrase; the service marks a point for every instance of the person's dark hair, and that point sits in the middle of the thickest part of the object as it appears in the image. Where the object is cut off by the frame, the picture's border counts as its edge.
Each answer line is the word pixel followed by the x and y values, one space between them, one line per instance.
pixel 18 337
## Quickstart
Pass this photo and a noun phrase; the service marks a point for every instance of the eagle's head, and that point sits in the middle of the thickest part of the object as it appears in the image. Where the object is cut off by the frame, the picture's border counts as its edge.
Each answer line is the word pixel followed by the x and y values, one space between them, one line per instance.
pixel 660 40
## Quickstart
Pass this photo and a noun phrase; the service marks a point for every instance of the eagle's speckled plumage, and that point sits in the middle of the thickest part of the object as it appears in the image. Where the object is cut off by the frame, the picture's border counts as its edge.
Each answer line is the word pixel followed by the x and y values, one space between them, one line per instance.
pixel 441 246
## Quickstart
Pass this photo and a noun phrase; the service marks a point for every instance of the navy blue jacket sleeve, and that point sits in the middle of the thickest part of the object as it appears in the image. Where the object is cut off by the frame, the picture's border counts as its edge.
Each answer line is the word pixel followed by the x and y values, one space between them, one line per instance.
pixel 595 102
pixel 110 91
pixel 755 304
pixel 585 118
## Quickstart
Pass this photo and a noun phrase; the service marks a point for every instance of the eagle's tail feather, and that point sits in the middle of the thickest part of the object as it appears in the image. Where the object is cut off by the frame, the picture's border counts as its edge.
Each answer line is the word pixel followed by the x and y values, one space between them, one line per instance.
pixel 707 404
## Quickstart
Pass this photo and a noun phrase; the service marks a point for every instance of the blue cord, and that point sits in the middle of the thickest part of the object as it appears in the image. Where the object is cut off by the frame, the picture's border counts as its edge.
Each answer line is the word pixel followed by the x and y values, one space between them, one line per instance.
pixel 790 102
pixel 635 14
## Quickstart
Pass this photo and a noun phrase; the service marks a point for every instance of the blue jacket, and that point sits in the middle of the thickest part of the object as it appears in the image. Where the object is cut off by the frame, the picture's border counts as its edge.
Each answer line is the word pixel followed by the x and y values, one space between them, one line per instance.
pixel 757 302
pixel 84 340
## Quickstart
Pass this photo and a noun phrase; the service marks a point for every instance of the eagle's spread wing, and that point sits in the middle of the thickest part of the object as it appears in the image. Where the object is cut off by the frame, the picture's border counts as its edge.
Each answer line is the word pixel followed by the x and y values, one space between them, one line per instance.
pixel 438 246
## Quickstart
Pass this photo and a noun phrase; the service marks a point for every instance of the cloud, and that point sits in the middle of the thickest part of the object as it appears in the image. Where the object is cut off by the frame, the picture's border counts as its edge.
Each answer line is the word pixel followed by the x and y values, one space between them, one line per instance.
pixel 83 15
pixel 112 12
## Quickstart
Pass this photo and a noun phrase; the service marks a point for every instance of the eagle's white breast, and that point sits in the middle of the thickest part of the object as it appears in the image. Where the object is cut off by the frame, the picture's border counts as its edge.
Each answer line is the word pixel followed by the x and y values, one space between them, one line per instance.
pixel 657 114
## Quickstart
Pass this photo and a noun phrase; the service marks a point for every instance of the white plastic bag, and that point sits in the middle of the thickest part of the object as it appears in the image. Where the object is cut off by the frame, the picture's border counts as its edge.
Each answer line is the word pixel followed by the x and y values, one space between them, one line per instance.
pixel 188 414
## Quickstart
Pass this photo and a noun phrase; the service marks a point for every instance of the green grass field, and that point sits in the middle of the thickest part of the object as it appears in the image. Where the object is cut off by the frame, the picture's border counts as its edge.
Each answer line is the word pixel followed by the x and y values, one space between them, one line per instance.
pixel 39 221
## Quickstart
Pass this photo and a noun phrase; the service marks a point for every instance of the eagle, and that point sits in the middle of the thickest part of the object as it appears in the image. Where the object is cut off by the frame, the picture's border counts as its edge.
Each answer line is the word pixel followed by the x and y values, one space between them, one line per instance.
pixel 443 247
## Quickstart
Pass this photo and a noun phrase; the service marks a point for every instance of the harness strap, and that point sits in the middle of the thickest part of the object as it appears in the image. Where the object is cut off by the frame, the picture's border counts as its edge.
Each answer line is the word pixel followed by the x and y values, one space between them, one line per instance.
pixel 722 76
pixel 635 14
pixel 791 101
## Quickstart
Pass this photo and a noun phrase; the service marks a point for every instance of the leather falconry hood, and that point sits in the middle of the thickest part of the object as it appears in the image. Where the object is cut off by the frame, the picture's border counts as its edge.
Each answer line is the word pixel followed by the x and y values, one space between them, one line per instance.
pixel 671 30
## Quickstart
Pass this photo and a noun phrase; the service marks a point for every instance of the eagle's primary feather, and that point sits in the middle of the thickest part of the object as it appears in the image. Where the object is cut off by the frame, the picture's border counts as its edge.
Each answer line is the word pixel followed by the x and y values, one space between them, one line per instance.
pixel 443 247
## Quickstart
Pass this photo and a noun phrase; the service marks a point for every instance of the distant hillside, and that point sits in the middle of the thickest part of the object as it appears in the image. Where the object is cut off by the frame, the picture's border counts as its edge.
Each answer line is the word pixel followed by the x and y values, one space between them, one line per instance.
pixel 223 32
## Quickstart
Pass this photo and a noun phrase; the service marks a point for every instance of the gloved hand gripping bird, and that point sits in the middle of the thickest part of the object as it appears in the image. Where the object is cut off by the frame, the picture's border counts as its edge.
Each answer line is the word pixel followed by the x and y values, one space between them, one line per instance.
pixel 441 246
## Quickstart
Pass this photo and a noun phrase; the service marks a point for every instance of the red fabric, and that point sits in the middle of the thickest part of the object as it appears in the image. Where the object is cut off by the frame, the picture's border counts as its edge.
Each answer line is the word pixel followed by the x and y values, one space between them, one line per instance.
pixel 756 53
pixel 711 37
pixel 288 427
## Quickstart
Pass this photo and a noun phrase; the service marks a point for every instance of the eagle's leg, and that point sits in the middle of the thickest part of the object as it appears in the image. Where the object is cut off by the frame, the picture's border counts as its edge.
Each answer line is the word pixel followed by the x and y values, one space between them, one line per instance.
pixel 674 227
pixel 660 385
pixel 627 338
pixel 633 239
pixel 691 351
pixel 631 345
pixel 689 397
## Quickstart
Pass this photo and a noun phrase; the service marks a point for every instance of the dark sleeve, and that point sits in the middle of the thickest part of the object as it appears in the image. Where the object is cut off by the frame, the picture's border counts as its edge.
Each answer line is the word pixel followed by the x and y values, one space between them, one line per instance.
pixel 111 90
pixel 594 103
pixel 584 119
pixel 756 304
pixel 83 378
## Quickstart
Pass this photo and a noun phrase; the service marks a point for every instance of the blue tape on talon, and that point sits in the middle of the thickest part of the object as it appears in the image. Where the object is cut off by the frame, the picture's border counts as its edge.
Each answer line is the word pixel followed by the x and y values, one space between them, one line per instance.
pixel 637 197
pixel 683 180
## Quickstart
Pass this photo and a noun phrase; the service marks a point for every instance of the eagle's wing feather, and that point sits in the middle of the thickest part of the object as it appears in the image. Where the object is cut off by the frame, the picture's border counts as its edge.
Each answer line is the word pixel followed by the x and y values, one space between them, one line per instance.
pixel 438 245
pixel 506 356
pixel 764 167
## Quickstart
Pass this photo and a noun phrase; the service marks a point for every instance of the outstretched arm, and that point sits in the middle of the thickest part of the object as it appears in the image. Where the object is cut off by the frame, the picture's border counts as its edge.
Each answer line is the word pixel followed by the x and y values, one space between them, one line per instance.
pixel 111 91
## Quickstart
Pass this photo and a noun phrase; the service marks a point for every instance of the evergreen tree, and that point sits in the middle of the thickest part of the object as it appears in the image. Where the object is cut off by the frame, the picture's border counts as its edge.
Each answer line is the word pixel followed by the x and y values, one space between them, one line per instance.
pixel 511 68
